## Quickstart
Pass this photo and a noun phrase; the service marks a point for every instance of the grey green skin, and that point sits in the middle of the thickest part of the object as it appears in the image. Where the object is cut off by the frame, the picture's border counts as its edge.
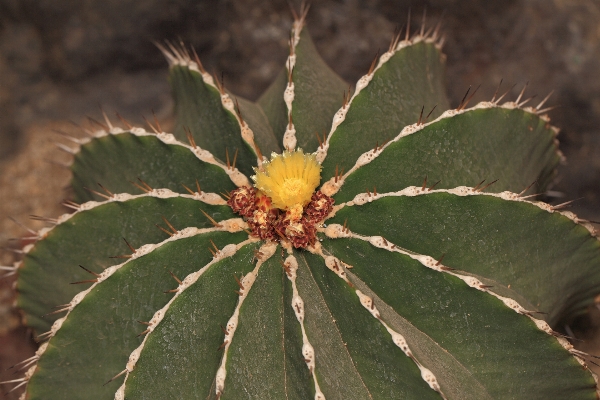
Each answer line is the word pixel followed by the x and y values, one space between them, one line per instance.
pixel 410 292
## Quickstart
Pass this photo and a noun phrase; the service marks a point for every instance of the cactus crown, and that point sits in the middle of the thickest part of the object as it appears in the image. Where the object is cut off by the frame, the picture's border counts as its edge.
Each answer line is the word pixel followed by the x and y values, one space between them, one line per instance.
pixel 342 273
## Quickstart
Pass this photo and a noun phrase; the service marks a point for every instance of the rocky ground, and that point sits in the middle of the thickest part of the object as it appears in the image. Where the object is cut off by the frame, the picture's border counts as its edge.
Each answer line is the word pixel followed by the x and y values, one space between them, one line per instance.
pixel 61 59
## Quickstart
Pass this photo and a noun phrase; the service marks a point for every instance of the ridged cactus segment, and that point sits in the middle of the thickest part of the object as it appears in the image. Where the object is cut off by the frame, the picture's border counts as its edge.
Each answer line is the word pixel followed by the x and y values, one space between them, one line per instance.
pixel 296 118
pixel 476 234
pixel 261 373
pixel 253 115
pixel 181 355
pixel 45 276
pixel 216 123
pixel 410 78
pixel 246 283
pixel 469 324
pixel 311 78
pixel 160 162
pixel 274 106
pixel 334 367
pixel 454 379
pixel 307 350
pixel 133 292
pixel 514 146
pixel 375 357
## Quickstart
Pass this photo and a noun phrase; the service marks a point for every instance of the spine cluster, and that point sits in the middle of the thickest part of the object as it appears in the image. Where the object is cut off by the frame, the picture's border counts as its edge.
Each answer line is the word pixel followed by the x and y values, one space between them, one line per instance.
pixel 298 226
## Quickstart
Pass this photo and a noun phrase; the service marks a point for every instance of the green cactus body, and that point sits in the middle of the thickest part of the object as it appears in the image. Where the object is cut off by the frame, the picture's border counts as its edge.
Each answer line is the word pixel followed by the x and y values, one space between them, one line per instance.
pixel 404 290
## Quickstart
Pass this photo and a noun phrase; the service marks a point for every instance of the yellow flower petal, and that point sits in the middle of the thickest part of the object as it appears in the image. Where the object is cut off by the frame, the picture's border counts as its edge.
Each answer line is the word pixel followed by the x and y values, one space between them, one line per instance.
pixel 289 179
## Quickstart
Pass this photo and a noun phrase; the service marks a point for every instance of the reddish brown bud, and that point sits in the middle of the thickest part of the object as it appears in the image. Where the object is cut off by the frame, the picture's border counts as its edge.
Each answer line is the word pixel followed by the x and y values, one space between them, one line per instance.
pixel 262 224
pixel 295 225
pixel 242 201
pixel 319 207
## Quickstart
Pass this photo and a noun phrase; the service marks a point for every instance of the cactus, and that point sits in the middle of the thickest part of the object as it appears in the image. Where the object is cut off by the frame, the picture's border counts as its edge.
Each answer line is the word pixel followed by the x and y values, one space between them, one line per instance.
pixel 332 268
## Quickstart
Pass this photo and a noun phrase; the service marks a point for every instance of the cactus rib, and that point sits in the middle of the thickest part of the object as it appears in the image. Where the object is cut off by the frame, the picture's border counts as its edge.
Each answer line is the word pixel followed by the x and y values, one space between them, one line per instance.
pixel 91 166
pixel 366 80
pixel 291 268
pixel 227 251
pixel 340 268
pixel 433 133
pixel 113 285
pixel 41 265
pixel 180 60
pixel 581 241
pixel 308 77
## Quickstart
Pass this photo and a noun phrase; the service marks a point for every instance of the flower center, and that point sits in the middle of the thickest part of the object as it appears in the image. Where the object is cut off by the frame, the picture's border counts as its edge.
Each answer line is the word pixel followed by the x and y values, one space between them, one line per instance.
pixel 284 205
pixel 289 179
pixel 292 188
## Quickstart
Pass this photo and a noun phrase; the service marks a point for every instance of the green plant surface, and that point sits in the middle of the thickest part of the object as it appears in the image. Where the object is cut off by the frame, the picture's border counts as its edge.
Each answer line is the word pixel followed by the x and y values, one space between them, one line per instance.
pixel 312 79
pixel 195 362
pixel 200 108
pixel 477 235
pixel 412 80
pixel 159 164
pixel 309 77
pixel 449 309
pixel 513 146
pixel 89 238
pixel 397 290
pixel 469 324
pixel 138 285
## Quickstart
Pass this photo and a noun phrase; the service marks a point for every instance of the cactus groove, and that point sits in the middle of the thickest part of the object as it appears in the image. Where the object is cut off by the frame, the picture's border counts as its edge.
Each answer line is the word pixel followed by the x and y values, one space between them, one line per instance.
pixel 403 274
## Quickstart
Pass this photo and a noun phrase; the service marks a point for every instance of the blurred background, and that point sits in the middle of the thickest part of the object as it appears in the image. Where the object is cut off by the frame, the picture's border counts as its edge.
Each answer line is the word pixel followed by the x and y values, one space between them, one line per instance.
pixel 61 60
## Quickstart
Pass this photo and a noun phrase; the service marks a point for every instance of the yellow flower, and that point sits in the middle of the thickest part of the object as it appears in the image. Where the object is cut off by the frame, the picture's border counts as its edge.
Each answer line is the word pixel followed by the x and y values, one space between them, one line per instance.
pixel 289 179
